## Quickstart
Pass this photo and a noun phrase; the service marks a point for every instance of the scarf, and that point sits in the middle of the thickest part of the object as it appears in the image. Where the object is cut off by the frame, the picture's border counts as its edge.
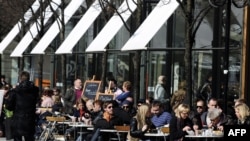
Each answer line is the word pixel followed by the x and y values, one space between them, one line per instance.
pixel 107 116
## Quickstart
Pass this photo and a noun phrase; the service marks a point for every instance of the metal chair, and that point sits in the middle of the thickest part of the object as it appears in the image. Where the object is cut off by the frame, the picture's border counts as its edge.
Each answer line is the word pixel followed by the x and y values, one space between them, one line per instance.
pixel 121 132
pixel 165 131
pixel 50 131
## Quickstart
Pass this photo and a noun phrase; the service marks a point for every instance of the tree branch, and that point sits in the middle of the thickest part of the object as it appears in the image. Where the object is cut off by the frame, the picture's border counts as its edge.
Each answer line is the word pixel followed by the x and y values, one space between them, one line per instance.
pixel 200 18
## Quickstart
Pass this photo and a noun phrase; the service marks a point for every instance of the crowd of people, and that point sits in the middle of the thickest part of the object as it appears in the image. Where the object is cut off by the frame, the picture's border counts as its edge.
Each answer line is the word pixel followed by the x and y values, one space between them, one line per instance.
pixel 24 112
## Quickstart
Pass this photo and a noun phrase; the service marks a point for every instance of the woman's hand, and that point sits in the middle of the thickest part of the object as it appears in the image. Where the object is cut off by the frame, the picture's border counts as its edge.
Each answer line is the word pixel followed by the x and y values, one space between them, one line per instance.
pixel 195 127
pixel 186 128
pixel 144 128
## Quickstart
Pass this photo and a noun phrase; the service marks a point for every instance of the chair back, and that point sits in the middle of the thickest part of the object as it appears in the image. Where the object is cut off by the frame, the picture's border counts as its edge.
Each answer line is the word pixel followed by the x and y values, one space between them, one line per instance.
pixel 165 130
pixel 122 128
pixel 57 119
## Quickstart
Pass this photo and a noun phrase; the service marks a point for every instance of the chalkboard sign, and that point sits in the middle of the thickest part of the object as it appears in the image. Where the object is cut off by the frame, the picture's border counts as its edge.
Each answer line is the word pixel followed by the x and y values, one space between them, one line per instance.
pixel 104 97
pixel 91 88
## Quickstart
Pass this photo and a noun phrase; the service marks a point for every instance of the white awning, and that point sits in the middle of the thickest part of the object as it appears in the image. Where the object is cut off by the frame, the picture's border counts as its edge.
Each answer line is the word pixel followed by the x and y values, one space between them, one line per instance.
pixel 82 26
pixel 112 27
pixel 35 28
pixel 53 31
pixel 163 10
pixel 16 29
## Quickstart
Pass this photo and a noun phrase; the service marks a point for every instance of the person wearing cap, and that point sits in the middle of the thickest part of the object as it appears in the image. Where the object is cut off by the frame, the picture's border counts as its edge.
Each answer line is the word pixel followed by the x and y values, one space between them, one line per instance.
pixel 128 107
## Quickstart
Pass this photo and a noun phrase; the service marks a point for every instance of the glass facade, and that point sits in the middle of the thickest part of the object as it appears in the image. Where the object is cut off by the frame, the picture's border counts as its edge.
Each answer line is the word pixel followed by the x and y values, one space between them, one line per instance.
pixel 165 56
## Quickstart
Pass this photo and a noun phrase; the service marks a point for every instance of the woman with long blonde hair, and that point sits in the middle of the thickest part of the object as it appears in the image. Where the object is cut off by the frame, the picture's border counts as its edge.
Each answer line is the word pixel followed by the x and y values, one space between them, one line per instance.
pixel 140 124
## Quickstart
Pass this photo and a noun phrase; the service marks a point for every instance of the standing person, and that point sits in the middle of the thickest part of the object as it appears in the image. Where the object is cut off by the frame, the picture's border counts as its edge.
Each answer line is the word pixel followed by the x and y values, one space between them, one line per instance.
pixel 161 94
pixel 180 123
pixel 127 86
pixel 205 91
pixel 140 124
pixel 71 95
pixel 179 96
pixel 114 88
pixel 22 100
pixel 6 116
pixel 3 81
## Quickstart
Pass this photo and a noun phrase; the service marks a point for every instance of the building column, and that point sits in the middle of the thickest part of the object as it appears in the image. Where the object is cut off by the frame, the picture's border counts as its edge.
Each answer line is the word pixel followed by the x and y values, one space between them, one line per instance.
pixel 245 67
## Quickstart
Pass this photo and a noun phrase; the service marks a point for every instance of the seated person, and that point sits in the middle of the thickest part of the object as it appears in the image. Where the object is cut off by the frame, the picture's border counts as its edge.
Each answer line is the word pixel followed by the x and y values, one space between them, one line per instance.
pixel 96 114
pixel 128 107
pixel 108 121
pixel 140 123
pixel 119 112
pixel 159 118
pixel 180 123
pixel 80 114
pixel 97 111
pixel 217 119
pixel 45 108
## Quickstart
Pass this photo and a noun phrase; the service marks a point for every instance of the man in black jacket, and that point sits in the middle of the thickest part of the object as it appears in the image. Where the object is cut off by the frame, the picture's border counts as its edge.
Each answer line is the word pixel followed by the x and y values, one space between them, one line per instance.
pixel 107 121
pixel 22 100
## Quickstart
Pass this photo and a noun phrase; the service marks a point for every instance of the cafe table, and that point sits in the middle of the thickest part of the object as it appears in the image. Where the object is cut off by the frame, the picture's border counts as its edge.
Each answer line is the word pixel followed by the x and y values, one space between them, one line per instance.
pixel 80 125
pixel 206 137
pixel 112 131
pixel 157 135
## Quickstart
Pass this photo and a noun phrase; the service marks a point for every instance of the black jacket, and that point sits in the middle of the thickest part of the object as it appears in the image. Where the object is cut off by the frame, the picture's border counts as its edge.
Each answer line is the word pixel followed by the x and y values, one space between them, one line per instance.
pixel 135 132
pixel 104 124
pixel 22 101
pixel 176 126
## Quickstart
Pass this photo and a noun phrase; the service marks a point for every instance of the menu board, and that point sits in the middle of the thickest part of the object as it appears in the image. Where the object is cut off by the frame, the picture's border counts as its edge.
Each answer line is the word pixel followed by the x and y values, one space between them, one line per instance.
pixel 91 88
pixel 104 97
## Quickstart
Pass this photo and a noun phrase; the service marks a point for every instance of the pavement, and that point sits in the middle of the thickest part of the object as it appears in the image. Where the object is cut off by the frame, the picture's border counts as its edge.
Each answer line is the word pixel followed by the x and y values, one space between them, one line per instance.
pixel 4 139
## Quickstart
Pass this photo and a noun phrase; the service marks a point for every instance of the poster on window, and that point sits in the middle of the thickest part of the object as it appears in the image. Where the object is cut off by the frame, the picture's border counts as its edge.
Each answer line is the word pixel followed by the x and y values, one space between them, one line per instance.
pixel 1 100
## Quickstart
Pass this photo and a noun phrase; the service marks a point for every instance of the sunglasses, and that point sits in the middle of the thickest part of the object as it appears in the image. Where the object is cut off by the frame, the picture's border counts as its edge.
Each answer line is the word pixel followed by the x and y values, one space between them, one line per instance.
pixel 125 107
pixel 199 107
pixel 109 107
